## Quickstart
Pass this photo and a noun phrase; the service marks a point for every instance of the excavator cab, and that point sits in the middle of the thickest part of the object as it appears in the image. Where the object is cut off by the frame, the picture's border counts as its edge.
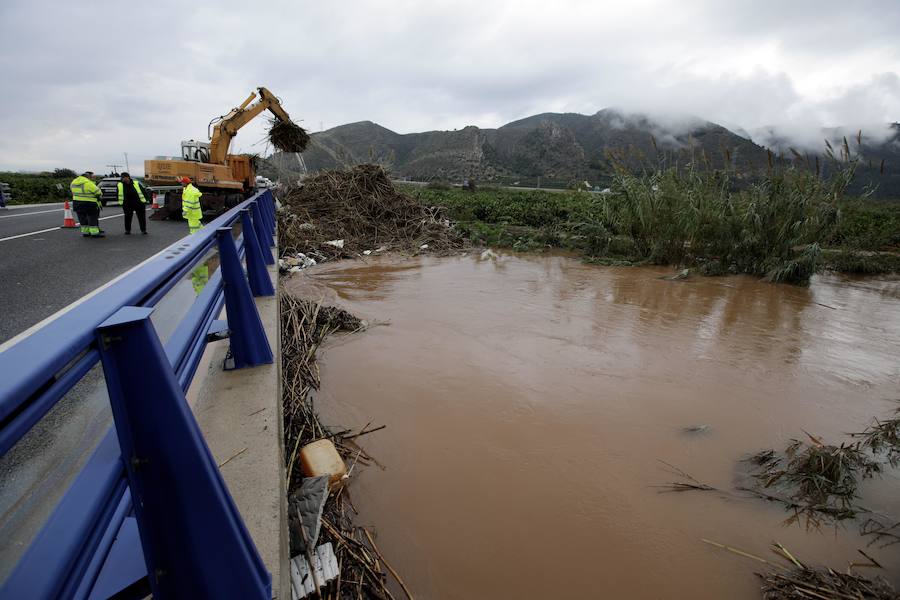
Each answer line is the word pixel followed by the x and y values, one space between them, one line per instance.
pixel 195 151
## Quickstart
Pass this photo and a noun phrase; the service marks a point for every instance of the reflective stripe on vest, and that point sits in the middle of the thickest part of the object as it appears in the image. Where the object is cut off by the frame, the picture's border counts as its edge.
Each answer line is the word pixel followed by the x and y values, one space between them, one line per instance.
pixel 120 188
pixel 79 194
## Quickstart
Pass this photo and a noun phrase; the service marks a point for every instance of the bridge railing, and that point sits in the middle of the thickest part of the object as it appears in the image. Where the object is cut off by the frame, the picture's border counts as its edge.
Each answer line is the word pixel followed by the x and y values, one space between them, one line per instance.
pixel 149 511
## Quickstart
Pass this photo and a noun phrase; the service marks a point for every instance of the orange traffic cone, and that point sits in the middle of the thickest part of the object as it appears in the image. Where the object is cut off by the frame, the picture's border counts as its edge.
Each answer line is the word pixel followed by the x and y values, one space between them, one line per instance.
pixel 155 205
pixel 68 219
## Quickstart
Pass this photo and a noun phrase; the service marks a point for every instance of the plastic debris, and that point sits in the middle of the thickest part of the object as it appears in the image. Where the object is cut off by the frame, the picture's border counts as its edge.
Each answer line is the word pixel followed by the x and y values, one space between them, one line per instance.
pixel 423 247
pixel 305 261
pixel 367 252
pixel 303 582
pixel 306 506
pixel 336 243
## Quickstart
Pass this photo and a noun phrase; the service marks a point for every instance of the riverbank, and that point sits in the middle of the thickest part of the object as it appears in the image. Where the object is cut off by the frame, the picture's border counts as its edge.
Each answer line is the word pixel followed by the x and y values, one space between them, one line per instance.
pixel 715 235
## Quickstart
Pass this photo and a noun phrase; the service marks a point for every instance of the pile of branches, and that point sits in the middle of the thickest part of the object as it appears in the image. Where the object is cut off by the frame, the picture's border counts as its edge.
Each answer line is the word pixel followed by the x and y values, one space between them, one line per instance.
pixel 304 326
pixel 287 136
pixel 361 207
pixel 804 583
pixel 800 581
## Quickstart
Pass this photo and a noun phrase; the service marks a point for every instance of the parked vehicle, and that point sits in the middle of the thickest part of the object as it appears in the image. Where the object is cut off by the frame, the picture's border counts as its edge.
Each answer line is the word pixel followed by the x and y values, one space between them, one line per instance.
pixel 109 190
pixel 5 195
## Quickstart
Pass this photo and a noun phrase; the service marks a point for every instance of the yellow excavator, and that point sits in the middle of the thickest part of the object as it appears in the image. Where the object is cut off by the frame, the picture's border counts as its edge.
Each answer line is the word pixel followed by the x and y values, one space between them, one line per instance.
pixel 225 179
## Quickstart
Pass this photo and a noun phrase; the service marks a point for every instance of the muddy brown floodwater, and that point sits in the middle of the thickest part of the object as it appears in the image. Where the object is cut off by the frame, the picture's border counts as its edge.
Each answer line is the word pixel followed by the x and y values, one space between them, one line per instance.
pixel 529 399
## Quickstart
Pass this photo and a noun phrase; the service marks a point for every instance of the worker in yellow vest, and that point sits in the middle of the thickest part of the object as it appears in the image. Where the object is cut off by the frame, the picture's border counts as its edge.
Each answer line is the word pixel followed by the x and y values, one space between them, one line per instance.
pixel 86 202
pixel 190 204
pixel 133 199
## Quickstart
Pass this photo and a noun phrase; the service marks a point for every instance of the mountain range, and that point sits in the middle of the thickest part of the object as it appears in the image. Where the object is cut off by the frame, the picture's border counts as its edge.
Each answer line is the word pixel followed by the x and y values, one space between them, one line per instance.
pixel 558 148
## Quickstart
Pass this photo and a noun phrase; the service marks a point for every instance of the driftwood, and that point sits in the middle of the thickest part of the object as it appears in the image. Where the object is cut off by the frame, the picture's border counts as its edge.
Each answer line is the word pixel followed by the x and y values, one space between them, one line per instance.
pixel 304 326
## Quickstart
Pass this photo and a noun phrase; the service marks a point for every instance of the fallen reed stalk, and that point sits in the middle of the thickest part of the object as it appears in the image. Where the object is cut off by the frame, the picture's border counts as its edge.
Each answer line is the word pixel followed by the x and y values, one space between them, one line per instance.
pixel 687 484
pixel 803 582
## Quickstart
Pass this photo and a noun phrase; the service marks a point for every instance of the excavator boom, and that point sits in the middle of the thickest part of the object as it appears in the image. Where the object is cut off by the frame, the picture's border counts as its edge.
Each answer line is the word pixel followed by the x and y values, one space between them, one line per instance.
pixel 225 130
pixel 225 179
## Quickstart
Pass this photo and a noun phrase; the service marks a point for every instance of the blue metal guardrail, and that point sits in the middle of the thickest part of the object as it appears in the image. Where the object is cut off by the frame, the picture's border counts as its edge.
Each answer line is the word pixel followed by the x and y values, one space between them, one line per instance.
pixel 149 512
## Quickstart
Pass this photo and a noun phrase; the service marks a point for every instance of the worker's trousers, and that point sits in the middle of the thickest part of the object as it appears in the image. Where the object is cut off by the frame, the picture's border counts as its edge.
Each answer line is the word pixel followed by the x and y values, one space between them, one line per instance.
pixel 140 209
pixel 88 217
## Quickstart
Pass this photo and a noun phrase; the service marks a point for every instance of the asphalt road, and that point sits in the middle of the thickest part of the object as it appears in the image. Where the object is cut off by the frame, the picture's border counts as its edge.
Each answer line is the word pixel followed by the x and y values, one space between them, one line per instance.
pixel 44 268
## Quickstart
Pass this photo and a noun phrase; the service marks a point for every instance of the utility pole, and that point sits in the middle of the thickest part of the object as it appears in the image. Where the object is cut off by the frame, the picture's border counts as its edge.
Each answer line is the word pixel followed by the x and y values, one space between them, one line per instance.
pixel 115 169
pixel 127 168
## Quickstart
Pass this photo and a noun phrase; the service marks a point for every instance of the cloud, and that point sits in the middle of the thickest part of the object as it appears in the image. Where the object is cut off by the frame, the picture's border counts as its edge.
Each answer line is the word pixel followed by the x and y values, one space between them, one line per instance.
pixel 88 81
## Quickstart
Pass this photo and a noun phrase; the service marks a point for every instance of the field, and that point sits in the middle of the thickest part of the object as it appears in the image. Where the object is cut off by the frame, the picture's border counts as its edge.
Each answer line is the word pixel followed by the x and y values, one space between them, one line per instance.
pixel 784 227
pixel 32 188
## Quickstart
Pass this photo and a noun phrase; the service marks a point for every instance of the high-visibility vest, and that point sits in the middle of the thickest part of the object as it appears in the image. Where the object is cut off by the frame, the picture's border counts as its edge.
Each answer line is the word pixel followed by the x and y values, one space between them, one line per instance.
pixel 84 190
pixel 137 187
pixel 190 201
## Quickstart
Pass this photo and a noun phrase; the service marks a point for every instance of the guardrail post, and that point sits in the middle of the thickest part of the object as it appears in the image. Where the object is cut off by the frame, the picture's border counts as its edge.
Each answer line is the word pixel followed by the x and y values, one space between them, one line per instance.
pixel 249 344
pixel 270 210
pixel 271 199
pixel 257 274
pixel 262 232
pixel 194 540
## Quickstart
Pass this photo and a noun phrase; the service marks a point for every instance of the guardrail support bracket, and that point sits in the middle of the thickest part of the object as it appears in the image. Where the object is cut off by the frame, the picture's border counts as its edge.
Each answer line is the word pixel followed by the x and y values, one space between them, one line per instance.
pixel 194 541
pixel 263 232
pixel 218 330
pixel 257 274
pixel 249 344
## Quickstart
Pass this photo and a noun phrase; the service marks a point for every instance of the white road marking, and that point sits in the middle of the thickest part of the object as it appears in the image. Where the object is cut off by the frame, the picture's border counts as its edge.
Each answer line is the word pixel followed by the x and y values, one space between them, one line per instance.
pixel 39 212
pixel 15 340
pixel 21 235
pixel 21 206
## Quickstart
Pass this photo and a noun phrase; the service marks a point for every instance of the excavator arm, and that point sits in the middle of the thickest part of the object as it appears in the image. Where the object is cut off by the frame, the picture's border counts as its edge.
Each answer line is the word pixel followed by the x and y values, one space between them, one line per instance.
pixel 228 126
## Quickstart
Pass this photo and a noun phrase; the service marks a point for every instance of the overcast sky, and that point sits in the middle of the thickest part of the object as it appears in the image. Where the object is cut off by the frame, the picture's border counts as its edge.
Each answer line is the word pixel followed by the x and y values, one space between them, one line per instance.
pixel 85 81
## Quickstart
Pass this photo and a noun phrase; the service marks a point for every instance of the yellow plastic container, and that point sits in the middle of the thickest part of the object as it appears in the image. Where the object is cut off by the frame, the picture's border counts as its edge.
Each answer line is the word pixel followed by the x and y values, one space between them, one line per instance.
pixel 322 458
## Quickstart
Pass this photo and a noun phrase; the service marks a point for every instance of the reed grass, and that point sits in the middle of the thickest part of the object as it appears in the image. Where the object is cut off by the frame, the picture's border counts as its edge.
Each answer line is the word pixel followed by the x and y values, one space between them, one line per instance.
pixel 773 224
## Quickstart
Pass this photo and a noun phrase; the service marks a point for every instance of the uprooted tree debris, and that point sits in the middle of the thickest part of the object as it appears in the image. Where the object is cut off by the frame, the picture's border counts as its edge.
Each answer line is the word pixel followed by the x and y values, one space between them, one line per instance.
pixel 287 136
pixel 361 209
pixel 304 326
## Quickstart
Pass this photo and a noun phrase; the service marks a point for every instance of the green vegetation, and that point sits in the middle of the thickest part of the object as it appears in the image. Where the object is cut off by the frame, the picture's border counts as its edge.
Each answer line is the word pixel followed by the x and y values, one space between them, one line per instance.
pixel 783 227
pixel 32 188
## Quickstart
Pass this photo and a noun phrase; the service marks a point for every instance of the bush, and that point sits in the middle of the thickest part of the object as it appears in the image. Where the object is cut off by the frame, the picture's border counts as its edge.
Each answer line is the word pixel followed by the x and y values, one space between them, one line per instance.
pixel 31 188
pixel 867 225
pixel 773 228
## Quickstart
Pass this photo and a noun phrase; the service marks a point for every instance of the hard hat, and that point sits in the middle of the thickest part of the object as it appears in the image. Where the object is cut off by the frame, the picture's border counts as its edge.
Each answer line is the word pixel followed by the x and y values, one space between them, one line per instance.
pixel 185 180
